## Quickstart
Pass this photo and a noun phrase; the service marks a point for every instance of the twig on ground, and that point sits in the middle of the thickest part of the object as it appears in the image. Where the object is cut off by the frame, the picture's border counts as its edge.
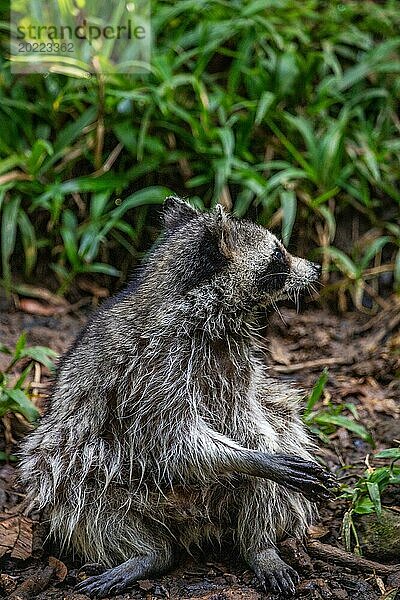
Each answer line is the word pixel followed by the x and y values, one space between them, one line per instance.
pixel 332 554
pixel 314 364
pixel 34 585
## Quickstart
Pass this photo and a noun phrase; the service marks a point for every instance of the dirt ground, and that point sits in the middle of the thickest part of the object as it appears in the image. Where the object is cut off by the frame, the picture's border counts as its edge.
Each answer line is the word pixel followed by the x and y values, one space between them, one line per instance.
pixel 363 358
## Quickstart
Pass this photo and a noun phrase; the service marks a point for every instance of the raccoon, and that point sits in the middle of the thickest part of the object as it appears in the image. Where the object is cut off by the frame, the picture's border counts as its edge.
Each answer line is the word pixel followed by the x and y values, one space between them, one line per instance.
pixel 165 429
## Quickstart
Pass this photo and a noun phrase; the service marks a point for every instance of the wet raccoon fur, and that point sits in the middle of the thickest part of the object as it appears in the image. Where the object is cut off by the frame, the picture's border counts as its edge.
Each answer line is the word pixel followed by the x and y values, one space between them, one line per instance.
pixel 165 428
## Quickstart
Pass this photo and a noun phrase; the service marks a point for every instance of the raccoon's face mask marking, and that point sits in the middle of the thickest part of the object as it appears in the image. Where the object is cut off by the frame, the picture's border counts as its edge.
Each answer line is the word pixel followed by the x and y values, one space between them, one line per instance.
pixel 273 277
pixel 264 269
pixel 252 266
pixel 284 276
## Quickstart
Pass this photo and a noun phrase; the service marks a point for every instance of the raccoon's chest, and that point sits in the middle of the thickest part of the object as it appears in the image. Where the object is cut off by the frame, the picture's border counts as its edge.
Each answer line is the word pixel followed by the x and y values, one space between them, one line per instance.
pixel 233 409
pixel 228 386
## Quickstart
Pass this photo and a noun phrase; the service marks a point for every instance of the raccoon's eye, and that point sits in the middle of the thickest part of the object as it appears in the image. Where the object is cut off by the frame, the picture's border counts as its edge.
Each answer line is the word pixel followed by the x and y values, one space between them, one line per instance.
pixel 279 255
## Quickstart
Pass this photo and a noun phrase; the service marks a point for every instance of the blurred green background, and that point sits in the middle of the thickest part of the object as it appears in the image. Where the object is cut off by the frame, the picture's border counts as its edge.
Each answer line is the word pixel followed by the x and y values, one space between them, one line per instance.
pixel 286 111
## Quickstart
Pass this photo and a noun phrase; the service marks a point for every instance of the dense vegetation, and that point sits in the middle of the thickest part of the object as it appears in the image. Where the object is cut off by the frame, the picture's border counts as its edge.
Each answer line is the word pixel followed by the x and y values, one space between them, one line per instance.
pixel 284 110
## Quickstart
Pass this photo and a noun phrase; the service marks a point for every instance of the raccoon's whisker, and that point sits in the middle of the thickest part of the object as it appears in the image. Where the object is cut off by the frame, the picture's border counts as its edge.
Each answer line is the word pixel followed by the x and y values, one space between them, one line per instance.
pixel 292 296
pixel 289 295
pixel 274 274
pixel 276 308
pixel 297 296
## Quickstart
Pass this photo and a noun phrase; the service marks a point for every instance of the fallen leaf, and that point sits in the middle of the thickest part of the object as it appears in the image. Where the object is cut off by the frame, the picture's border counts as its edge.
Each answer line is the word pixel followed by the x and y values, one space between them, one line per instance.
pixel 16 536
pixel 278 352
pixel 380 584
pixel 316 532
pixel 32 291
pixel 33 307
pixel 92 287
pixel 60 569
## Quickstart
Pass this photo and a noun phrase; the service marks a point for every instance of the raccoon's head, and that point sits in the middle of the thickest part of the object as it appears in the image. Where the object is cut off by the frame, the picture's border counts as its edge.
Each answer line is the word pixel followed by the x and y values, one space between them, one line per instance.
pixel 245 261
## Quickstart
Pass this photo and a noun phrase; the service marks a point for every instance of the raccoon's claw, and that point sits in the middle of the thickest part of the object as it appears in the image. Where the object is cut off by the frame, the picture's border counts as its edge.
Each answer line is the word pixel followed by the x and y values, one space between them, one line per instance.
pixel 116 580
pixel 103 585
pixel 282 581
pixel 90 569
pixel 275 576
pixel 307 478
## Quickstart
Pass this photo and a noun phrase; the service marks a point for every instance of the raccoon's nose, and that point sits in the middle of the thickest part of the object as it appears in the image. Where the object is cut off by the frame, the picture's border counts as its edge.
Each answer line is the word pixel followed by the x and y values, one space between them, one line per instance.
pixel 317 269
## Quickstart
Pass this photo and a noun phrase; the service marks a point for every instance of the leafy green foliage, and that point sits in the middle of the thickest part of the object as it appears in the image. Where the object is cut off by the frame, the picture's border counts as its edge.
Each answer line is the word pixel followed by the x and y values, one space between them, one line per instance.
pixel 365 495
pixel 14 396
pixel 286 109
pixel 324 421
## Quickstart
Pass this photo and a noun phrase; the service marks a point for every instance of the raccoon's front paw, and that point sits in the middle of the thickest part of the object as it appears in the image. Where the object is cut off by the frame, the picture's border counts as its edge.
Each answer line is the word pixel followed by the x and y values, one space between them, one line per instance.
pixel 307 478
pixel 274 574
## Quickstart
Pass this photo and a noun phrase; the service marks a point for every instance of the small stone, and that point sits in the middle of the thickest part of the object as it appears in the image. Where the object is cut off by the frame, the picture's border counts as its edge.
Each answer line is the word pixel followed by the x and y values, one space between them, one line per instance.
pixel 379 536
pixel 146 585
pixel 7 583
pixel 340 594
pixel 230 578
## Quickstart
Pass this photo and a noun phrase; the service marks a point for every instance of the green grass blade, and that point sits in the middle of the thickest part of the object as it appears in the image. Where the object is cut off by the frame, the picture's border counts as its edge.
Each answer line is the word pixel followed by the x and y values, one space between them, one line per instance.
pixel 8 236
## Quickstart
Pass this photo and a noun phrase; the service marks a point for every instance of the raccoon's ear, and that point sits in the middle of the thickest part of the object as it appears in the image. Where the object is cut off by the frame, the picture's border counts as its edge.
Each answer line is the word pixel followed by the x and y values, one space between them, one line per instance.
pixel 224 231
pixel 177 212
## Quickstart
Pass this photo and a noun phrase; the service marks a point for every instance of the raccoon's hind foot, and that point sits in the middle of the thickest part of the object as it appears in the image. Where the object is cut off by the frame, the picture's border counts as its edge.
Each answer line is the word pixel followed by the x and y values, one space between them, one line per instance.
pixel 273 573
pixel 117 579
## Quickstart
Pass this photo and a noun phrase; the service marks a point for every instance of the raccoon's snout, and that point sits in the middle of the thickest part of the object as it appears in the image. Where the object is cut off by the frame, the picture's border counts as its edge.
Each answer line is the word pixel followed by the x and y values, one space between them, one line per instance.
pixel 317 269
pixel 302 274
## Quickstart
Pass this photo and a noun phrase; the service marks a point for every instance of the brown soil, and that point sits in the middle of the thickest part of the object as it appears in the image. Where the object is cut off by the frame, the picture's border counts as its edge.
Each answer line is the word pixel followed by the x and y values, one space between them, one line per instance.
pixel 363 358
